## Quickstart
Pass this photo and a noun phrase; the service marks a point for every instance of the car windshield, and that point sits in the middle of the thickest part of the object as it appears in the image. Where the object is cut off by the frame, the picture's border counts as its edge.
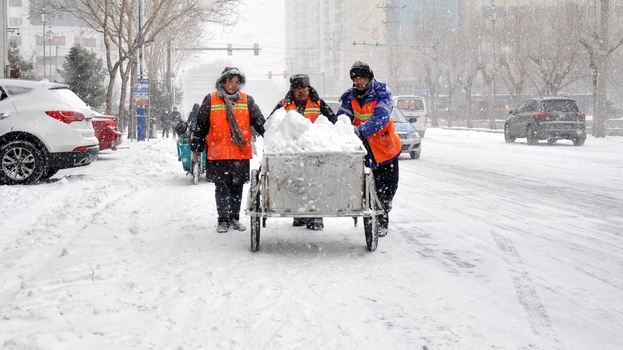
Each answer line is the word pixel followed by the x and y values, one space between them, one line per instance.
pixel 560 106
pixel 410 104
pixel 398 116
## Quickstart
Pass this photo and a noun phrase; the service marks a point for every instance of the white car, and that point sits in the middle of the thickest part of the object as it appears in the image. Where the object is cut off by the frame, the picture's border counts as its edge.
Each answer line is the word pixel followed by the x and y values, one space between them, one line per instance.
pixel 414 108
pixel 44 127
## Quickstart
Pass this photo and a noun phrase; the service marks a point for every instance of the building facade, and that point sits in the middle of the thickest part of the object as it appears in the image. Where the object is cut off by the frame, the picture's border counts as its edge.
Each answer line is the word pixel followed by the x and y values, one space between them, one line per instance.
pixel 45 37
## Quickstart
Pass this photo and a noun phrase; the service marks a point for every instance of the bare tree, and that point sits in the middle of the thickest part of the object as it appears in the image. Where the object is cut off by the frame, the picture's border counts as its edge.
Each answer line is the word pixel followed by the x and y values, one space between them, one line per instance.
pixel 116 20
pixel 596 41
pixel 555 53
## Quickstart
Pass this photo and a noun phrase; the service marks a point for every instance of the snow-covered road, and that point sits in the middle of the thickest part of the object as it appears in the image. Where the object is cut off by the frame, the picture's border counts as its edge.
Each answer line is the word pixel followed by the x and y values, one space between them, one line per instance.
pixel 491 246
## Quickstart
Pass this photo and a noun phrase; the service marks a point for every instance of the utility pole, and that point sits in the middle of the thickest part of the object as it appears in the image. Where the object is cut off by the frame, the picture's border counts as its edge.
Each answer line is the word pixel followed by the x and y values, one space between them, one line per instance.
pixel 493 106
pixel 49 32
pixel 141 90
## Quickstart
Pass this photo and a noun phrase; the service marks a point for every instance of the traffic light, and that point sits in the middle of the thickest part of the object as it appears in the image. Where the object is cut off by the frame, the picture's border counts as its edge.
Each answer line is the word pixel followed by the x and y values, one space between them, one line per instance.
pixel 270 74
pixel 229 50
pixel 256 49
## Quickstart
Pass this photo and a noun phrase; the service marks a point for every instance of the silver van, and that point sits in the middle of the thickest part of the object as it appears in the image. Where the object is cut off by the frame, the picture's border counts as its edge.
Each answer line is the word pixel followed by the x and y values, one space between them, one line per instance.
pixel 414 108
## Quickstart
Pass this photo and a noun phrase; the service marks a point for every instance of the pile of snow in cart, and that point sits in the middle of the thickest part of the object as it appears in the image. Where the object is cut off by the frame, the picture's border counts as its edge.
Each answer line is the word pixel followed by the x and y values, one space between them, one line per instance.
pixel 290 132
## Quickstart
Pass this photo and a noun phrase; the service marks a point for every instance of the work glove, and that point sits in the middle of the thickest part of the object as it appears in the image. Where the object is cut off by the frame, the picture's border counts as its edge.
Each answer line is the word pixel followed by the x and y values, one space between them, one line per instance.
pixel 196 157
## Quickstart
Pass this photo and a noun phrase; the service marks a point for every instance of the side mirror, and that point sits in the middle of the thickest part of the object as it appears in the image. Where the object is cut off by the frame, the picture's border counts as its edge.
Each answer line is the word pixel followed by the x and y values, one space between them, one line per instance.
pixel 413 120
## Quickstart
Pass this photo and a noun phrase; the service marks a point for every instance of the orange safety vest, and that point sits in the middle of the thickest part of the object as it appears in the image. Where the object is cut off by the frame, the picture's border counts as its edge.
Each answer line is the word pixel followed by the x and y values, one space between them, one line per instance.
pixel 385 143
pixel 312 109
pixel 218 142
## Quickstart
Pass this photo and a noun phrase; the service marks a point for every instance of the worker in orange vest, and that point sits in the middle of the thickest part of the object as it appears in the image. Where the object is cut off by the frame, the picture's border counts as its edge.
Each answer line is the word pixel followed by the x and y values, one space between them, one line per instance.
pixel 304 99
pixel 224 123
pixel 368 104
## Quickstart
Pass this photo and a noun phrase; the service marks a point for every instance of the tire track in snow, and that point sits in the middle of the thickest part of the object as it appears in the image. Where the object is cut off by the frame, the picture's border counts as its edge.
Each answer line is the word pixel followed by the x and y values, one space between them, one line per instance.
pixel 537 317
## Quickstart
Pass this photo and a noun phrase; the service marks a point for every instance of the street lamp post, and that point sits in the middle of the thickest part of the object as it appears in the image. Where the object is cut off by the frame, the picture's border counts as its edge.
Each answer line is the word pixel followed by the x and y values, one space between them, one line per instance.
pixel 44 19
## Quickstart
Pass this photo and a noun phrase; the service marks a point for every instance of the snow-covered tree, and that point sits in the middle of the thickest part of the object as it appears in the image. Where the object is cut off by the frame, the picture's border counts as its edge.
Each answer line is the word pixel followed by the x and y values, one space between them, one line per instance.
pixel 85 74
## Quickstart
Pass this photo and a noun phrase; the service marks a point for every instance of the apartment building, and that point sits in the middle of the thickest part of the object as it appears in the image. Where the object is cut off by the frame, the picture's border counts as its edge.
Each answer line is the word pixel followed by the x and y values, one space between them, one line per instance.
pixel 45 37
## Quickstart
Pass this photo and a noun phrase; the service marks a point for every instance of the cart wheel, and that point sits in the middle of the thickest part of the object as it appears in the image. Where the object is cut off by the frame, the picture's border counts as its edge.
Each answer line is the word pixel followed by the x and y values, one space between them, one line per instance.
pixel 255 220
pixel 196 173
pixel 370 227
pixel 255 233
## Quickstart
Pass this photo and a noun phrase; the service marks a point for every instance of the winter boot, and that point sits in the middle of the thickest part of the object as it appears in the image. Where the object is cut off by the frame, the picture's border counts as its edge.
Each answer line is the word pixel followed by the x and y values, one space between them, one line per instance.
pixel 315 224
pixel 236 225
pixel 383 224
pixel 223 226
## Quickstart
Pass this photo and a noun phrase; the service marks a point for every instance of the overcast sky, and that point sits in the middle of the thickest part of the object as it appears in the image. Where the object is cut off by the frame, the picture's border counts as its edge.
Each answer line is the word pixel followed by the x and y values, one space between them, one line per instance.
pixel 259 21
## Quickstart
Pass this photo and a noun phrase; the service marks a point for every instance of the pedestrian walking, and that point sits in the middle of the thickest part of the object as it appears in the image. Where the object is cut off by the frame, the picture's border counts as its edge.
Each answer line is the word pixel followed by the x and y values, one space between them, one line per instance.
pixel 224 124
pixel 304 99
pixel 368 104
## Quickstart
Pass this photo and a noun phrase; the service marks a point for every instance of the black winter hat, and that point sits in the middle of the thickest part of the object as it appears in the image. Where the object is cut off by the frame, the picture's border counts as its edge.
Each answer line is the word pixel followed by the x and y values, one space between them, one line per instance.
pixel 228 73
pixel 361 69
pixel 299 80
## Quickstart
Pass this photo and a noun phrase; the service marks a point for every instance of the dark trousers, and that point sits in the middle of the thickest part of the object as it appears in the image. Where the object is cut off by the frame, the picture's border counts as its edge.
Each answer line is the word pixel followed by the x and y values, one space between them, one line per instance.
pixel 386 184
pixel 228 198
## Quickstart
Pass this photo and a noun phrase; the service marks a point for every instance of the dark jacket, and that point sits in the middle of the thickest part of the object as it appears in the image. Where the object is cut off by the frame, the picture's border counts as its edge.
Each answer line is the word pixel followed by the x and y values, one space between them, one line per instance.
pixel 377 92
pixel 300 107
pixel 237 170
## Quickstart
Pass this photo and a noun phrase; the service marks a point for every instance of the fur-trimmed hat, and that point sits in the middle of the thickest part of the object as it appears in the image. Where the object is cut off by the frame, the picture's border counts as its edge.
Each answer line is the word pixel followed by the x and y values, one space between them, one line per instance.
pixel 361 69
pixel 299 80
pixel 228 73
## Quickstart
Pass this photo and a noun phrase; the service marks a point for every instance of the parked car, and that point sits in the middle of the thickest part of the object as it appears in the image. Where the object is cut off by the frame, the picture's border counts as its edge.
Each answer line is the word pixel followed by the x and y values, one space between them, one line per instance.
pixel 44 127
pixel 546 118
pixel 414 108
pixel 106 131
pixel 411 140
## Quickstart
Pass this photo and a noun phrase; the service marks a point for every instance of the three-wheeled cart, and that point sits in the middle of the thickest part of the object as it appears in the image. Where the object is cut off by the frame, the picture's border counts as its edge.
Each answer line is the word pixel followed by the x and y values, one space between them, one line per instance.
pixel 313 185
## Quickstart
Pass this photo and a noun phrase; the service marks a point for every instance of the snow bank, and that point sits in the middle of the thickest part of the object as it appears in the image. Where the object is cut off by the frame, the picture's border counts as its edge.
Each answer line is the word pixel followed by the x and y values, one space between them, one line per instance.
pixel 290 132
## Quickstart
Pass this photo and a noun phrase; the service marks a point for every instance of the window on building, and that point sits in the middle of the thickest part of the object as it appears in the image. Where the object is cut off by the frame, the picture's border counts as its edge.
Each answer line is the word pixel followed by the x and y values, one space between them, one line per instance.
pixel 15 22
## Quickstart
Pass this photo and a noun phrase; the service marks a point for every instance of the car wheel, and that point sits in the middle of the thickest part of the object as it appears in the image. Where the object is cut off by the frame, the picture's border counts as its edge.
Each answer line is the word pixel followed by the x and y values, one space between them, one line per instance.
pixel 414 154
pixel 531 137
pixel 507 134
pixel 21 162
pixel 579 141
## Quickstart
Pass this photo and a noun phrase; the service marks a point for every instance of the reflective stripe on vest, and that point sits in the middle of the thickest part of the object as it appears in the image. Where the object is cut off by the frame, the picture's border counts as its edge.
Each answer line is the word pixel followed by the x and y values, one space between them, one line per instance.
pixel 312 109
pixel 385 143
pixel 218 142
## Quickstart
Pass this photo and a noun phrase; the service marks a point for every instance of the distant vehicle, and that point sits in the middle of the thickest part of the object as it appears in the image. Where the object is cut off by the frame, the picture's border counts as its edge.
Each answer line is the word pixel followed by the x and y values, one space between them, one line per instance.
pixel 546 118
pixel 44 127
pixel 411 140
pixel 106 131
pixel 335 105
pixel 414 108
